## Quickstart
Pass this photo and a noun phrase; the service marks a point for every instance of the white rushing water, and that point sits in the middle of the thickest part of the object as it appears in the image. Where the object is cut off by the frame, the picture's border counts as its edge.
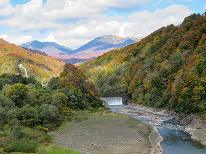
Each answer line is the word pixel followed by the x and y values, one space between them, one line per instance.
pixel 112 101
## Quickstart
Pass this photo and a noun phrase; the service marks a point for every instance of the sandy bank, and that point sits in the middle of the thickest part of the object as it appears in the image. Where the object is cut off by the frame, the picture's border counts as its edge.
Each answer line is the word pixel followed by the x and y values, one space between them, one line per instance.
pixel 155 140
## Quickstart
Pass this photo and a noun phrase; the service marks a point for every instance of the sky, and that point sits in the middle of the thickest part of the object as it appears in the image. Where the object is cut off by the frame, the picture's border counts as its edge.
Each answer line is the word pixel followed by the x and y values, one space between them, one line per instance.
pixel 74 22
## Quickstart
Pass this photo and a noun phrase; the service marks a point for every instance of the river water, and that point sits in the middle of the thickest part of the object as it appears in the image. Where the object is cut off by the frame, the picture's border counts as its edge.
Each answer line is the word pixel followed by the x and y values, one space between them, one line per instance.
pixel 175 139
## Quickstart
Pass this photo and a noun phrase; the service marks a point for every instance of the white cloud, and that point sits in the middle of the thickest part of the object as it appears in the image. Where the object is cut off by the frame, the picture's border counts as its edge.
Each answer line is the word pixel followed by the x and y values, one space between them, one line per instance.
pixel 17 39
pixel 6 8
pixel 143 23
pixel 38 15
pixel 137 25
pixel 50 38
pixel 82 20
pixel 4 2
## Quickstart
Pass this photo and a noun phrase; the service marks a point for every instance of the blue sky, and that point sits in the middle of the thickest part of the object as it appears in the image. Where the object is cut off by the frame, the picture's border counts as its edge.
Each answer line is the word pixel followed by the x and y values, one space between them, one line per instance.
pixel 15 2
pixel 74 22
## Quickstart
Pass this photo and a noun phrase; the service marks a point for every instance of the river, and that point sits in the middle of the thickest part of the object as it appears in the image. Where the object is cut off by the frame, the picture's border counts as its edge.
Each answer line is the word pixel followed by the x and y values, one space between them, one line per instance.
pixel 175 139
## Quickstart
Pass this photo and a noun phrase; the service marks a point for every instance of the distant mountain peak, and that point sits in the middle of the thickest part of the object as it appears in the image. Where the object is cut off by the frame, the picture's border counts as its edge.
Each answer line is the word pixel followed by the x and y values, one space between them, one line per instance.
pixel 113 39
pixel 104 43
pixel 50 48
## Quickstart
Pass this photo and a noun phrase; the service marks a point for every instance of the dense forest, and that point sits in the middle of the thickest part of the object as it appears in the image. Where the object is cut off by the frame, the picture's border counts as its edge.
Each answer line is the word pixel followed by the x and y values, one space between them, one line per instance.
pixel 28 111
pixel 165 69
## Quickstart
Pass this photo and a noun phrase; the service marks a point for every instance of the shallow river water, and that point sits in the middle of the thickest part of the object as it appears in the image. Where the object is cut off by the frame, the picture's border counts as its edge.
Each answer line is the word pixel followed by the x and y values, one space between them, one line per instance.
pixel 175 139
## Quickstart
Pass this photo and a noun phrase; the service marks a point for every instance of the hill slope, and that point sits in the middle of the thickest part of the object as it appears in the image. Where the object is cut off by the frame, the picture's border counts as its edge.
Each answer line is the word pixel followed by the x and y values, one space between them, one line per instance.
pixel 40 66
pixel 165 69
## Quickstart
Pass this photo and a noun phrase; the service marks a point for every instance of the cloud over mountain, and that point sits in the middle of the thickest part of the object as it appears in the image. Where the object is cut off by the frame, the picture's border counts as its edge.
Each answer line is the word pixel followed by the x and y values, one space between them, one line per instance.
pixel 74 22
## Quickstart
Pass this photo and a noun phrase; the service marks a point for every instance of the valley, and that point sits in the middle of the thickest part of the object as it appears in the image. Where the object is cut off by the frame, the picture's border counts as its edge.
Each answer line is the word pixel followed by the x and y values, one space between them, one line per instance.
pixel 111 95
pixel 166 69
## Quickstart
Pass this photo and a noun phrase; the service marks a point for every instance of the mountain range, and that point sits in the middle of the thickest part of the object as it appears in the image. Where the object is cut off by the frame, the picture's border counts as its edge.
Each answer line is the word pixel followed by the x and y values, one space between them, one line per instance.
pixel 90 50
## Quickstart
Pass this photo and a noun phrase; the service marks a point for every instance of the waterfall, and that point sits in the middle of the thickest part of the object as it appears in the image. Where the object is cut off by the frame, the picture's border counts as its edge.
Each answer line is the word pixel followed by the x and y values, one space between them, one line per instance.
pixel 25 70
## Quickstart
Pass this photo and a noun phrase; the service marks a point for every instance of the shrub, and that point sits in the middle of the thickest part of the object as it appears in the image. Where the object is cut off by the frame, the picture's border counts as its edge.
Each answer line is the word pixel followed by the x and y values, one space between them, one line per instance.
pixel 28 115
pixel 45 138
pixel 22 146
pixel 59 99
pixel 17 93
pixel 3 82
pixel 49 115
pixel 42 128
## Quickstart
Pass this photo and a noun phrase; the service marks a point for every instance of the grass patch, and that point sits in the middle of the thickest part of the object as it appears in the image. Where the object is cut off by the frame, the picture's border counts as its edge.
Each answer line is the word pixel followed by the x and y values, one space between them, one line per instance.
pixel 36 135
pixel 55 149
pixel 22 146
pixel 80 116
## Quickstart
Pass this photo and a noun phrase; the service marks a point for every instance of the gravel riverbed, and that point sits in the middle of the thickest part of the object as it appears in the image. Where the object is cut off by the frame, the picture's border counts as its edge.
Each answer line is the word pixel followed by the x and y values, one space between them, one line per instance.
pixel 108 133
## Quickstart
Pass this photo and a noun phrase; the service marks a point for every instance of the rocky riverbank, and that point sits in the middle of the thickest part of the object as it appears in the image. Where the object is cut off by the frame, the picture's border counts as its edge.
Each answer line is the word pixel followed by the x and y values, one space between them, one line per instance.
pixel 150 116
pixel 158 118
pixel 193 124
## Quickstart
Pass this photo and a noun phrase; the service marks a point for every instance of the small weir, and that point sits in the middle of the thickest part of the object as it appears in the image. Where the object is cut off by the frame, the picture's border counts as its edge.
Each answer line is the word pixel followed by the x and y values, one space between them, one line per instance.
pixel 112 101
pixel 175 139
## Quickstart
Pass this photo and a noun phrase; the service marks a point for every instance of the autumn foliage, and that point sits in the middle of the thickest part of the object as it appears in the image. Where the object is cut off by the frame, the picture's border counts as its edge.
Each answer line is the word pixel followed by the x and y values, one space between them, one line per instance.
pixel 165 69
pixel 41 67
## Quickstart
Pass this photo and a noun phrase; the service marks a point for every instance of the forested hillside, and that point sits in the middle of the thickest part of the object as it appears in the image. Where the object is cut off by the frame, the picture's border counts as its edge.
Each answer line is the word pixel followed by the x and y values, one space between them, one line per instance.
pixel 29 111
pixel 165 69
pixel 41 67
